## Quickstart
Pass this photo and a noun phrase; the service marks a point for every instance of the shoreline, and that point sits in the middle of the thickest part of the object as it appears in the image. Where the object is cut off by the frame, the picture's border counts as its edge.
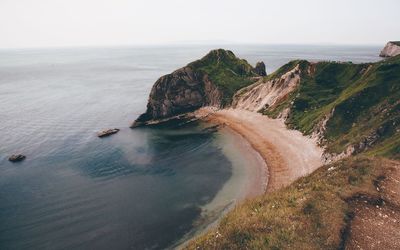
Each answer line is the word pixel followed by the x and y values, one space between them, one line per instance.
pixel 257 177
pixel 288 154
pixel 247 181
pixel 256 169
pixel 268 140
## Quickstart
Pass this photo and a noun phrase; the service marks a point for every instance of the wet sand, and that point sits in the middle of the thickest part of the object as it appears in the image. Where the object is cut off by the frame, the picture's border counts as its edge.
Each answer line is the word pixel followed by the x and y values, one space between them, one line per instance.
pixel 288 154
pixel 249 179
pixel 274 157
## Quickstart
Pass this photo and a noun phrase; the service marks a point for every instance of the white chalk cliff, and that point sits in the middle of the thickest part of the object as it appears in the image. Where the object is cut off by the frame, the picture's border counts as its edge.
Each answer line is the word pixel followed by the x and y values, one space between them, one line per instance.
pixel 263 94
pixel 391 49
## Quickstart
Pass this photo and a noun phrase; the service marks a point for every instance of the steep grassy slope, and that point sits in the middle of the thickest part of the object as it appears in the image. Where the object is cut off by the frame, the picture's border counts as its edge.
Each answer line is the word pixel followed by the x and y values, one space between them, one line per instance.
pixel 226 71
pixel 209 81
pixel 354 106
pixel 313 213
pixel 360 100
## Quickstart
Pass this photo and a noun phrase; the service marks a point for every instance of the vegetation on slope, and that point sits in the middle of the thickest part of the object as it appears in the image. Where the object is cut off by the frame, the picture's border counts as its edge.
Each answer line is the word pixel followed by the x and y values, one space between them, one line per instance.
pixel 312 213
pixel 362 101
pixel 226 71
pixel 209 81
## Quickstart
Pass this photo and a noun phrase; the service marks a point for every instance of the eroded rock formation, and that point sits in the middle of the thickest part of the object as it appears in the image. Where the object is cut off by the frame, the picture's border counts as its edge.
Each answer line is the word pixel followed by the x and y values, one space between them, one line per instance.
pixel 267 93
pixel 183 91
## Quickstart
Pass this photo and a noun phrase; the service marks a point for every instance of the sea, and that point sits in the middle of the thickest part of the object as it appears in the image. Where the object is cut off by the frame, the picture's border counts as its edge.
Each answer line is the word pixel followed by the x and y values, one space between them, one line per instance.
pixel 143 188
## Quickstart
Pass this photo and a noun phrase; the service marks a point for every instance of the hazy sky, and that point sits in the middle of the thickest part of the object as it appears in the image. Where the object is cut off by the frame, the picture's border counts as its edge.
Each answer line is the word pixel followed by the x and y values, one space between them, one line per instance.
pixel 42 23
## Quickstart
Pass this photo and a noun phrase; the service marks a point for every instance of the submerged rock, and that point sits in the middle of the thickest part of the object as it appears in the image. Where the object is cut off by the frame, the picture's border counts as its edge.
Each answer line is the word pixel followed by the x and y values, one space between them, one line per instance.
pixel 107 132
pixel 16 158
pixel 391 49
pixel 211 129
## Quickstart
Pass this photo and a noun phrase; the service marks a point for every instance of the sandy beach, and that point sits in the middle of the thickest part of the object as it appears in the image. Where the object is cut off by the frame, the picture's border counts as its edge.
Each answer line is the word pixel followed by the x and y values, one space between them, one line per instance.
pixel 288 154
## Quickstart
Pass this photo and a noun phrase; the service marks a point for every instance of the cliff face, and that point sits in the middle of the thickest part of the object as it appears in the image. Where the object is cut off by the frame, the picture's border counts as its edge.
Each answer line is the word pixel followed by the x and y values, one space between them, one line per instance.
pixel 210 81
pixel 391 49
pixel 350 108
pixel 182 91
pixel 267 93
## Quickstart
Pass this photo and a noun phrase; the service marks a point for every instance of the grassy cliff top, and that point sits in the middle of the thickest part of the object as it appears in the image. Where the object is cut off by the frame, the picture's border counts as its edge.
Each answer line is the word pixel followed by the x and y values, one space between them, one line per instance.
pixel 362 101
pixel 228 72
pixel 312 213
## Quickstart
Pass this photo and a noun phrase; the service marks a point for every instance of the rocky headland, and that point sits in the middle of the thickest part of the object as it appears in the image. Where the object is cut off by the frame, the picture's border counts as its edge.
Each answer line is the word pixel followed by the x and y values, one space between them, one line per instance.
pixel 210 81
pixel 337 123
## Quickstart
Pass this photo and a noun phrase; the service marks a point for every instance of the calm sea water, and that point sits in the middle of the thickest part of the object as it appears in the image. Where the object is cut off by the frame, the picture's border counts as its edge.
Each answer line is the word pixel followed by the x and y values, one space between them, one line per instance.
pixel 141 188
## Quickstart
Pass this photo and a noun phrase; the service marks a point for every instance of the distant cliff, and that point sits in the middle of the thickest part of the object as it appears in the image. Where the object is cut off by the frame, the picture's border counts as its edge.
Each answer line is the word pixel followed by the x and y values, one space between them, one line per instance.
pixel 391 49
pixel 210 81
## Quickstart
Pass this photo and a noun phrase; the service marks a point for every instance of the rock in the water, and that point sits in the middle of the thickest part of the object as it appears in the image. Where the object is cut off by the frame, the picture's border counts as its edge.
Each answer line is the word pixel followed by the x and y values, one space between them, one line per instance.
pixel 16 158
pixel 391 49
pixel 107 132
pixel 260 69
pixel 211 129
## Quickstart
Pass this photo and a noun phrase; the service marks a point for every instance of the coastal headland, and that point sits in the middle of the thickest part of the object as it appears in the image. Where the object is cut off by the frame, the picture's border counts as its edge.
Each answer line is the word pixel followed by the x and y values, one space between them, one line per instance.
pixel 328 132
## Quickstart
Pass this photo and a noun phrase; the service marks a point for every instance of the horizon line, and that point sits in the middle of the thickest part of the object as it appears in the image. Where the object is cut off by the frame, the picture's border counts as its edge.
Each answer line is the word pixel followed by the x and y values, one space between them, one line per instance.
pixel 190 43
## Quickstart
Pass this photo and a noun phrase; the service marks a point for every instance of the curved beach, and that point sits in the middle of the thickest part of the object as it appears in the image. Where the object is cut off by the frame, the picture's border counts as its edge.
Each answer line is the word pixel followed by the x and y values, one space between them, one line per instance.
pixel 288 154
pixel 249 179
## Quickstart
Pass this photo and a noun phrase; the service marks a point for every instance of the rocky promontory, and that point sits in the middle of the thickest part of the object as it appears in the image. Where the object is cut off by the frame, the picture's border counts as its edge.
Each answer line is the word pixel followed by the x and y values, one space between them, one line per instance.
pixel 210 81
pixel 391 49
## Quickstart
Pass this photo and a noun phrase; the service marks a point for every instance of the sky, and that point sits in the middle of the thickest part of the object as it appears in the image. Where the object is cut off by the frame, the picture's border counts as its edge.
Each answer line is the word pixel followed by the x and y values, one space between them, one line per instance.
pixel 59 23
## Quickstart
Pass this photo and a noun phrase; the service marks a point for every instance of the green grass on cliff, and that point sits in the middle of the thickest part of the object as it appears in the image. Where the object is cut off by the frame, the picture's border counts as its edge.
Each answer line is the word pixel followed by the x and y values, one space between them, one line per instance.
pixel 226 71
pixel 364 99
pixel 363 103
pixel 312 213
pixel 285 68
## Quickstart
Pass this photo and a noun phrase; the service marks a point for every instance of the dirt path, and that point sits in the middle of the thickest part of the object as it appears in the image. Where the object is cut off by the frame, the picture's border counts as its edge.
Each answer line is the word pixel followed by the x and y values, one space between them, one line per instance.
pixel 374 227
pixel 376 222
pixel 288 154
